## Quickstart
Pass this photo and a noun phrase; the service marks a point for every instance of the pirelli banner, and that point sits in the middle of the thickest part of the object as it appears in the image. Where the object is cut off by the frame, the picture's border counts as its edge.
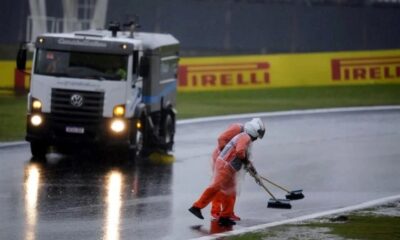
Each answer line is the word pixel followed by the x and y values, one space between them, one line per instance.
pixel 266 71
pixel 289 70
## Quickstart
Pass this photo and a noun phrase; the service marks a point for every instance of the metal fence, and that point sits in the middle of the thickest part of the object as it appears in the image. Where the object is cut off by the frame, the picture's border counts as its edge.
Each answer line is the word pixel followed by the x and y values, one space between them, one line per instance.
pixel 211 27
pixel 267 26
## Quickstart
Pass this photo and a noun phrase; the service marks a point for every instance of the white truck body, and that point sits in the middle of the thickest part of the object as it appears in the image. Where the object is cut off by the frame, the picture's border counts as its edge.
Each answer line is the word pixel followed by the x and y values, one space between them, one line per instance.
pixel 103 88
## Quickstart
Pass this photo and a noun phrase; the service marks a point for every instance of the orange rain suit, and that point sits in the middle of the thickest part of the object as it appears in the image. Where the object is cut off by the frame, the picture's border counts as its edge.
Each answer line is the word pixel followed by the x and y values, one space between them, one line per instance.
pixel 223 139
pixel 228 163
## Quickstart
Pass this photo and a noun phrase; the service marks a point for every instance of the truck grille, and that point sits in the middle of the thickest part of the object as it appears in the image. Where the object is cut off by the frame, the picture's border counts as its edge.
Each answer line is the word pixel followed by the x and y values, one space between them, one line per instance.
pixel 85 109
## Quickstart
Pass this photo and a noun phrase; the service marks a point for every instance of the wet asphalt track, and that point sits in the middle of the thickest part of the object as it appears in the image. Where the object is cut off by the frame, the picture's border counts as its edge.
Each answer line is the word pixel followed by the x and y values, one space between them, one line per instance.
pixel 339 159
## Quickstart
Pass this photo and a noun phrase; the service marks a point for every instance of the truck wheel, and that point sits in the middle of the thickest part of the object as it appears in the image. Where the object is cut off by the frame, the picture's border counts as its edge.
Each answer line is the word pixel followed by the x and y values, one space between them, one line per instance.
pixel 168 131
pixel 38 149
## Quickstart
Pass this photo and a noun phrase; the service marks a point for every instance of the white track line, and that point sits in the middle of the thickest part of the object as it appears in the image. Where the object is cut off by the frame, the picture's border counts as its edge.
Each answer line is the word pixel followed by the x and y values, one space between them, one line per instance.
pixel 287 113
pixel 303 218
pixel 12 144
pixel 260 114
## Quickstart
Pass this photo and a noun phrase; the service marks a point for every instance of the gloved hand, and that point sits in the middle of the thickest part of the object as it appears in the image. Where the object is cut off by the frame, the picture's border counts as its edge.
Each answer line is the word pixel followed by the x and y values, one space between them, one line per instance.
pixel 246 161
pixel 253 172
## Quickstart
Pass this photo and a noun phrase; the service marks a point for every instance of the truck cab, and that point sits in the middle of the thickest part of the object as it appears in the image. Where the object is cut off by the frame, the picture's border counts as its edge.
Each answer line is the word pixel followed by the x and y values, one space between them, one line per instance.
pixel 103 88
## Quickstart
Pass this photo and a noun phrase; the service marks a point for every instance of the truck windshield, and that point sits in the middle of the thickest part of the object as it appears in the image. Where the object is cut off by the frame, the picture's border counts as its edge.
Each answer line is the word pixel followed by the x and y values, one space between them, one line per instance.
pixel 85 65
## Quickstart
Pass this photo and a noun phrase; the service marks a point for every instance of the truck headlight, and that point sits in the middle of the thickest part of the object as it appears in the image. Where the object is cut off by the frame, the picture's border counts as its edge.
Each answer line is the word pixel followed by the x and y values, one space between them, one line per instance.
pixel 36 120
pixel 119 111
pixel 117 125
pixel 36 104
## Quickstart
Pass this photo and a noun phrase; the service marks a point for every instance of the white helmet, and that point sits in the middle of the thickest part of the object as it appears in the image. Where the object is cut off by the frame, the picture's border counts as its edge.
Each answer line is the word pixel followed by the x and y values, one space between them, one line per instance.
pixel 255 128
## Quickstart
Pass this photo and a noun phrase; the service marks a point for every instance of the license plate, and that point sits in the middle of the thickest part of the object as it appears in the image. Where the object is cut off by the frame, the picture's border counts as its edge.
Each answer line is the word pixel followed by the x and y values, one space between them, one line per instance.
pixel 79 130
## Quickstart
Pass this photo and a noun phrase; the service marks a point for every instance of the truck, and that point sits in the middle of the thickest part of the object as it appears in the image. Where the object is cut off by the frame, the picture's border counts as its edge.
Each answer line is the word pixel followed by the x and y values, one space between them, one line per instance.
pixel 113 88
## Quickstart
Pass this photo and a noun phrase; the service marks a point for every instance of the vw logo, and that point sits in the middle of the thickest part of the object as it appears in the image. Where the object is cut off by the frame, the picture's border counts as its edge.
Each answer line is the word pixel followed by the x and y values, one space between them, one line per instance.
pixel 76 100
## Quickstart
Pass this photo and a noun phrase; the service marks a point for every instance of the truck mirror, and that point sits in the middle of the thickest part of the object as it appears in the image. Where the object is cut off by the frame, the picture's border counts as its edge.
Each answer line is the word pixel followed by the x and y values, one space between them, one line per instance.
pixel 144 66
pixel 21 57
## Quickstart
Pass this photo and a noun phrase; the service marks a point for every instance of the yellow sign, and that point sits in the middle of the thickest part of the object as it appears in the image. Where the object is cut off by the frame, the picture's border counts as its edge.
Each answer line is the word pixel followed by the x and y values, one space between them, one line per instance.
pixel 223 73
pixel 267 71
pixel 289 70
pixel 11 78
pixel 367 68
pixel 7 74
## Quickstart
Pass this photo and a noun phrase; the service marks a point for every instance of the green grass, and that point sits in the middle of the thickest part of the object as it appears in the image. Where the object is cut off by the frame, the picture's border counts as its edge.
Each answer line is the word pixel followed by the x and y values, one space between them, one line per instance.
pixel 365 227
pixel 197 104
pixel 200 104
pixel 12 117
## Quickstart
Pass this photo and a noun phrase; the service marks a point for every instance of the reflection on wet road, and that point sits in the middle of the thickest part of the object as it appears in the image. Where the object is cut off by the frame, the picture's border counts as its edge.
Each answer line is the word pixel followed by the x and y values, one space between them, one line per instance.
pixel 339 159
pixel 31 195
pixel 113 205
pixel 75 197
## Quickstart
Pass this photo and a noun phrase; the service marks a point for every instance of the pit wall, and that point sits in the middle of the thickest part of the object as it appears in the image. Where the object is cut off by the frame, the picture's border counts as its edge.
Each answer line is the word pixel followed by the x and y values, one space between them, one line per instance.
pixel 267 71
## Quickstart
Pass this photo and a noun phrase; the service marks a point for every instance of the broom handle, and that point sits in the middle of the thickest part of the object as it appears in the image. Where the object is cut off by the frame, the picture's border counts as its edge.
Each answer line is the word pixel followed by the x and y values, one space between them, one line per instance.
pixel 261 184
pixel 276 185
pixel 266 189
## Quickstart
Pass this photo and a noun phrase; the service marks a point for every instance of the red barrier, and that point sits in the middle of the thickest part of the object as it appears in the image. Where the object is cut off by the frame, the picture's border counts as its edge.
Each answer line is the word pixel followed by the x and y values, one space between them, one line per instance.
pixel 19 80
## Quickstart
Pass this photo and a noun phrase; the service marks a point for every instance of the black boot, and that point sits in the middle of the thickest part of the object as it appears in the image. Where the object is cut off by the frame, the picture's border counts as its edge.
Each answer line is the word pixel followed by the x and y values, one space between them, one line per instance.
pixel 196 211
pixel 225 221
